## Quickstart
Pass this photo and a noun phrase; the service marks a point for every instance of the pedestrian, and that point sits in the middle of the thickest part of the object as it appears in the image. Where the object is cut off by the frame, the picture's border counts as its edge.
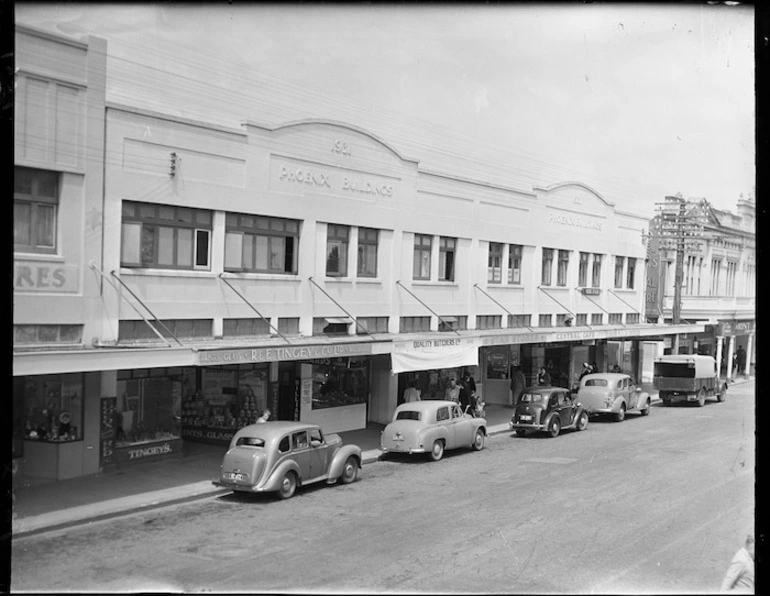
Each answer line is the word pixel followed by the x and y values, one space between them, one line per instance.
pixel 412 393
pixel 543 378
pixel 452 392
pixel 740 359
pixel 587 370
pixel 518 384
pixel 467 391
pixel 617 369
pixel 265 416
pixel 740 574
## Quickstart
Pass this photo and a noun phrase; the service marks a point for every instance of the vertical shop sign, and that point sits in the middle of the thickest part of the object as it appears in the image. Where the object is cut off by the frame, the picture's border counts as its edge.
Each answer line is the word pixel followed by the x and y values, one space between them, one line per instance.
pixel 274 399
pixel 296 400
pixel 307 394
pixel 107 430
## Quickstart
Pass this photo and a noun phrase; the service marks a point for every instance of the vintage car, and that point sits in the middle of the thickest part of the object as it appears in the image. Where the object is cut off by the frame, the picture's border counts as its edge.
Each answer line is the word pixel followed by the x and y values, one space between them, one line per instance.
pixel 550 409
pixel 688 377
pixel 614 394
pixel 431 427
pixel 280 456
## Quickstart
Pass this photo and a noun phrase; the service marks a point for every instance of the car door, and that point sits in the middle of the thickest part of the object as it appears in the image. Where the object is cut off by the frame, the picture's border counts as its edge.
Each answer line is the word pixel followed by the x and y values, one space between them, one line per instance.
pixel 568 411
pixel 564 407
pixel 300 446
pixel 319 454
pixel 462 427
pixel 444 423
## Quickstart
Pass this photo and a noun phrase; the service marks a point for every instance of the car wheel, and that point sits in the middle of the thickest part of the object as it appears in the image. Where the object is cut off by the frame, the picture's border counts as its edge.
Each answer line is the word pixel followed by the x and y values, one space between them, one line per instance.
pixel 722 396
pixel 554 427
pixel 582 422
pixel 478 440
pixel 620 415
pixel 701 398
pixel 288 486
pixel 667 402
pixel 349 471
pixel 437 451
pixel 646 410
pixel 520 432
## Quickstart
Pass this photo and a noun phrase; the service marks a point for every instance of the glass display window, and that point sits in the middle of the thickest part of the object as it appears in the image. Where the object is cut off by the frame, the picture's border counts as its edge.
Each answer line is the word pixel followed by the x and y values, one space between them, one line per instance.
pixel 149 405
pixel 52 406
pixel 340 382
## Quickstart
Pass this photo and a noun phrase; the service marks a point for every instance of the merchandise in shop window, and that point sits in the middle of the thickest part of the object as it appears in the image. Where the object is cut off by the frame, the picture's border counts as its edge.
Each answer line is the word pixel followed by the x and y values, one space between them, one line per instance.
pixel 338 383
pixel 147 409
pixel 53 404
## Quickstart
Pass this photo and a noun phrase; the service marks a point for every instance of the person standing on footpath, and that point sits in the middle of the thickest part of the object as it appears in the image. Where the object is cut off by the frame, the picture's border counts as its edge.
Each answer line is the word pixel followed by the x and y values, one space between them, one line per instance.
pixel 452 392
pixel 518 384
pixel 740 574
pixel 412 393
pixel 543 378
pixel 740 360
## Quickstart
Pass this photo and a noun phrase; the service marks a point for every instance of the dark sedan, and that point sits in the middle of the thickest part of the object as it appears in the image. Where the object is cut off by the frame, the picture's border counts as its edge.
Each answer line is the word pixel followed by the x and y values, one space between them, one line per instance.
pixel 549 409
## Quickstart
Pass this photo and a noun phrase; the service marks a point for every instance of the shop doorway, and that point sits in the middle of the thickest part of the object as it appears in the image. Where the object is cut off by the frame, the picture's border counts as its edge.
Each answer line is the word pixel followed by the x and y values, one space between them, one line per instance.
pixel 557 362
pixel 288 392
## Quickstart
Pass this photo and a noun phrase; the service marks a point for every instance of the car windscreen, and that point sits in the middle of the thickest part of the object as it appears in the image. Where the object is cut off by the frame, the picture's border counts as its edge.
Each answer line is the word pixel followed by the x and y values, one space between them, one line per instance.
pixel 408 415
pixel 250 442
pixel 595 383
pixel 531 398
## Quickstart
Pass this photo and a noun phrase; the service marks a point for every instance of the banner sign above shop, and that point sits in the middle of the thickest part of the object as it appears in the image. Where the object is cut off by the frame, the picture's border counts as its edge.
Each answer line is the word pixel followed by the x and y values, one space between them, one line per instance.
pixel 245 356
pixel 428 354
pixel 726 328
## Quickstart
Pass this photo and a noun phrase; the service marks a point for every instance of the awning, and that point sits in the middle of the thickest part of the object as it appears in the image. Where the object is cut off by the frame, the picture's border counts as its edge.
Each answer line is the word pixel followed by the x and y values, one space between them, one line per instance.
pixel 434 353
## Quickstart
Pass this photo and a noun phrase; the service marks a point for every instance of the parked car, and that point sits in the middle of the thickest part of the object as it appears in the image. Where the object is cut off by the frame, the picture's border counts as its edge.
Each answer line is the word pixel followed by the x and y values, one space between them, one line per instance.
pixel 280 456
pixel 549 409
pixel 688 377
pixel 612 393
pixel 431 427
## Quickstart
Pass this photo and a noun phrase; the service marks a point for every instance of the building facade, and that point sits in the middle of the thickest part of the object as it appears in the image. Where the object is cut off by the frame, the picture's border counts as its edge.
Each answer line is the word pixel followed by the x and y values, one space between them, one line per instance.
pixel 718 286
pixel 201 274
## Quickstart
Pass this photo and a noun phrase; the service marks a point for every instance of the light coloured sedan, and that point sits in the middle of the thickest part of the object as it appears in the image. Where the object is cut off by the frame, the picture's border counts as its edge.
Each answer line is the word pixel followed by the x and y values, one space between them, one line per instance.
pixel 614 394
pixel 280 456
pixel 431 427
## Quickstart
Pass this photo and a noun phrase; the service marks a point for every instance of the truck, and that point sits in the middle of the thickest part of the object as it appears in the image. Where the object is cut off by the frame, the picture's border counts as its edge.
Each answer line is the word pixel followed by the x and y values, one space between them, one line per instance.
pixel 688 377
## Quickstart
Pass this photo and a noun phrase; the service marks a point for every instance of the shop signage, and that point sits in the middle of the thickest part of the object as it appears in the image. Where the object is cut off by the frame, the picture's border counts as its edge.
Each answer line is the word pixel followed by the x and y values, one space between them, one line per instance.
pixel 107 430
pixel 429 354
pixel 582 335
pixel 652 299
pixel 574 222
pixel 213 357
pixel 208 435
pixel 733 327
pixel 590 291
pixel 33 276
pixel 146 451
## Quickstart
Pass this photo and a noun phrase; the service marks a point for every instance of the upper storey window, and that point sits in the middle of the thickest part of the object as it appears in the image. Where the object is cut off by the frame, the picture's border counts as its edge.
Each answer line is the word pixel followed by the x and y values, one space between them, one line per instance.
pixel 258 244
pixel 35 206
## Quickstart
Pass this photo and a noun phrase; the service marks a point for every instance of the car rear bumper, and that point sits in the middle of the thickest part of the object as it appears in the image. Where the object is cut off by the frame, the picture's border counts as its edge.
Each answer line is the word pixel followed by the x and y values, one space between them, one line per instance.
pixel 525 426
pixel 403 449
pixel 237 487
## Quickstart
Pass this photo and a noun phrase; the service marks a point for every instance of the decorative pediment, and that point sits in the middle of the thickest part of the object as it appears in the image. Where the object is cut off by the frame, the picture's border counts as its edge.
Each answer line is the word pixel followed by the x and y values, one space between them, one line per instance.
pixel 575 196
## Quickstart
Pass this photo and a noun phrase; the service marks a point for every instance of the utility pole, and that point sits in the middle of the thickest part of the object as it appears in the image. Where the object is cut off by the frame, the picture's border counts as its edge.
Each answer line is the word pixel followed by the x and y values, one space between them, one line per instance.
pixel 679 229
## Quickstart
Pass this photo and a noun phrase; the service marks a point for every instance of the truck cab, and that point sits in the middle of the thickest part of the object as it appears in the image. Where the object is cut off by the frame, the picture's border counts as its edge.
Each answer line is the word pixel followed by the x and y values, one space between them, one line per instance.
pixel 688 377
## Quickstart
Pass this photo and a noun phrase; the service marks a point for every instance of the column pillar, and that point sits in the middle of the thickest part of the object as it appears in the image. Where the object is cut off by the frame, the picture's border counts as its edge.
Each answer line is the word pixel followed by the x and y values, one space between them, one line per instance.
pixel 730 352
pixel 749 348
pixel 720 341
pixel 675 344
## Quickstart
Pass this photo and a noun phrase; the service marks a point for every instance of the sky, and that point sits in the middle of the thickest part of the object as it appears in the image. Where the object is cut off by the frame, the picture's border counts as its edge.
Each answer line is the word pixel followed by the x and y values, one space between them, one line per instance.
pixel 637 101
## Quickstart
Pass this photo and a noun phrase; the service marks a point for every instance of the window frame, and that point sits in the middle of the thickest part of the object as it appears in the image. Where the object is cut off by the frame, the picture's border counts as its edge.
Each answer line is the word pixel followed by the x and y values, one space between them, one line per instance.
pixel 36 202
pixel 631 273
pixel 445 261
pixel 585 259
pixel 546 270
pixel 421 249
pixel 495 255
pixel 619 266
pixel 270 230
pixel 515 252
pixel 562 268
pixel 337 236
pixel 596 271
pixel 367 237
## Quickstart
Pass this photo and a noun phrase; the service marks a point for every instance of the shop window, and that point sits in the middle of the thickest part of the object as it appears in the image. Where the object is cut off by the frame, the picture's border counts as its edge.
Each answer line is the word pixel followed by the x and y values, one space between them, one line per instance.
pixel 331 325
pixel 497 364
pixel 619 262
pixel 179 328
pixel 581 319
pixel 414 324
pixel 165 236
pixel 615 318
pixel 596 271
pixel 35 210
pixel 596 318
pixel 422 250
pixel 563 267
pixel 47 334
pixel 583 270
pixel 545 278
pixel 337 250
pixel 514 264
pixel 371 325
pixel 453 323
pixel 494 263
pixel 288 325
pixel 544 320
pixel 489 322
pixel 340 382
pixel 446 259
pixel 52 408
pixel 516 321
pixel 254 243
pixel 245 327
pixel 563 320
pixel 367 252
pixel 632 318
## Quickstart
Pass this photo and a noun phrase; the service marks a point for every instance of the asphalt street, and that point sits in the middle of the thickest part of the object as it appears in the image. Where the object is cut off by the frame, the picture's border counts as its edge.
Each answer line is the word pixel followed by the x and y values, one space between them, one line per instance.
pixel 653 505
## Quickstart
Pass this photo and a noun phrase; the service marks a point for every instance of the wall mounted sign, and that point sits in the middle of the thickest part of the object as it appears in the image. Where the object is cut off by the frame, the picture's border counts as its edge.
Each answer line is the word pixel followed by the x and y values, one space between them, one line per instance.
pixel 243 356
pixel 41 276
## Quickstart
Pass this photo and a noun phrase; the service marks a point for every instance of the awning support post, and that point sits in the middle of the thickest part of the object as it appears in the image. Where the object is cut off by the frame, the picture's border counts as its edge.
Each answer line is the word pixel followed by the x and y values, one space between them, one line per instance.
pixel 564 307
pixel 351 317
pixel 600 306
pixel 398 282
pixel 498 304
pixel 251 306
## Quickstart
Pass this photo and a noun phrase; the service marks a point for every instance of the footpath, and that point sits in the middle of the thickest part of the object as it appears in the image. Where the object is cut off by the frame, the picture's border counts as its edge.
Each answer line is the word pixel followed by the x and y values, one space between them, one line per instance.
pixel 45 505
